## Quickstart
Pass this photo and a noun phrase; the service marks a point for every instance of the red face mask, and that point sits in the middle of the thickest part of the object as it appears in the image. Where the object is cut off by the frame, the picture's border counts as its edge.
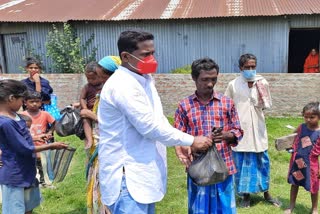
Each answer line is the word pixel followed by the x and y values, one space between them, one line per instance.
pixel 146 66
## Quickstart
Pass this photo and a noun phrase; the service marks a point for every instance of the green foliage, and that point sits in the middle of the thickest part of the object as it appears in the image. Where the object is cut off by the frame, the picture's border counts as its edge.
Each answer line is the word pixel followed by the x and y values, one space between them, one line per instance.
pixel 182 70
pixel 69 197
pixel 66 50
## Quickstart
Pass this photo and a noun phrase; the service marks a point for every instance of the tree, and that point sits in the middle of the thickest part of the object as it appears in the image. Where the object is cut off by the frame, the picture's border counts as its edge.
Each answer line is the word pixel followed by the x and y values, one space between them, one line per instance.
pixel 66 51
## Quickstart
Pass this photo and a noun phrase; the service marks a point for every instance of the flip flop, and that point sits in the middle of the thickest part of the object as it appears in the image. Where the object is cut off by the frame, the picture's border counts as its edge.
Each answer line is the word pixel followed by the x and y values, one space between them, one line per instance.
pixel 274 202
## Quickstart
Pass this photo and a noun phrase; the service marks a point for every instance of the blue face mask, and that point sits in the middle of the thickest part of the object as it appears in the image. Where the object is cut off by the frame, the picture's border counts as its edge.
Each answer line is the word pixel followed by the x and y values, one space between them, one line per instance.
pixel 249 74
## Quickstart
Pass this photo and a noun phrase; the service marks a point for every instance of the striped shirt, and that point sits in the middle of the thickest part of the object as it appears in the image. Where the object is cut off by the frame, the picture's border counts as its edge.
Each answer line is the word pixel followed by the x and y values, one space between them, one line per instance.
pixel 198 119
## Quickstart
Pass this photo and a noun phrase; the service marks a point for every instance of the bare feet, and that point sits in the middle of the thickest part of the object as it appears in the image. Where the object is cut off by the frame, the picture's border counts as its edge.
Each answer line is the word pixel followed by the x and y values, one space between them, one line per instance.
pixel 271 200
pixel 314 211
pixel 288 211
pixel 87 143
pixel 245 201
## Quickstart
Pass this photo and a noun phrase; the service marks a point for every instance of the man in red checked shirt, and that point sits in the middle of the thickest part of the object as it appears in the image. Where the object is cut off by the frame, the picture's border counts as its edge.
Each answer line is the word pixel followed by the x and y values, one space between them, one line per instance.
pixel 197 115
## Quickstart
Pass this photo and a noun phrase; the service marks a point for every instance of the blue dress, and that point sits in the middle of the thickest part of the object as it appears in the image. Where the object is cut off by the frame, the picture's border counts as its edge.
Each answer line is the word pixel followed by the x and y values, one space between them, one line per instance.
pixel 18 157
pixel 46 89
pixel 304 166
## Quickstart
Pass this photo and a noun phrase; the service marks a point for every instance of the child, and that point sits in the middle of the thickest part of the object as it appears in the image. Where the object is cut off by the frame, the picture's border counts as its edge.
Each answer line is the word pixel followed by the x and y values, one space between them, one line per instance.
pixel 36 83
pixel 304 166
pixel 40 122
pixel 88 97
pixel 41 137
pixel 20 192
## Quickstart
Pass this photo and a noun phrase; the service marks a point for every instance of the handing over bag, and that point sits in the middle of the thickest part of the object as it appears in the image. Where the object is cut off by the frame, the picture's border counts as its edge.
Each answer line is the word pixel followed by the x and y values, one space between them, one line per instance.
pixel 69 119
pixel 209 168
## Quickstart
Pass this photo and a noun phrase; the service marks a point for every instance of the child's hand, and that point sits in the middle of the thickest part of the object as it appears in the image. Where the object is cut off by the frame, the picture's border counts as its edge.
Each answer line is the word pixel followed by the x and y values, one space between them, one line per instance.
pixel 35 76
pixel 58 145
pixel 48 136
pixel 40 137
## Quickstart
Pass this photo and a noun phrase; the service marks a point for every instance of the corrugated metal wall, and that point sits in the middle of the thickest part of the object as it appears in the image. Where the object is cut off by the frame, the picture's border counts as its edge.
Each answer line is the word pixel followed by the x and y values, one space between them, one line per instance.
pixel 36 34
pixel 15 51
pixel 179 42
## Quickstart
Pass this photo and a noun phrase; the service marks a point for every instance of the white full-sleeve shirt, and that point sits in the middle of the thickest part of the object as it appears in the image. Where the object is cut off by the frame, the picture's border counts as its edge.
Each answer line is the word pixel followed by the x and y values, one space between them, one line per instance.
pixel 133 134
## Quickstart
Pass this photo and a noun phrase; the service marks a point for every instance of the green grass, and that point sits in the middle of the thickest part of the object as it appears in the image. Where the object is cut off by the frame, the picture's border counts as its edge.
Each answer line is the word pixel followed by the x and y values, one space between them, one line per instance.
pixel 69 197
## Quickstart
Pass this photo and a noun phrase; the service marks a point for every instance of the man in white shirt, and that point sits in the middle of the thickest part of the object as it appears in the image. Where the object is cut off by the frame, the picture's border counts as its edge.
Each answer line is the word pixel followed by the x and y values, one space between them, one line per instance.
pixel 134 132
pixel 250 93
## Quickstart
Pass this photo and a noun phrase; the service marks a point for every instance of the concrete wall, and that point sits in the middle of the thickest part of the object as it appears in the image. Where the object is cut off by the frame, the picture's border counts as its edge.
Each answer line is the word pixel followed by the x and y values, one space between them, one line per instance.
pixel 290 92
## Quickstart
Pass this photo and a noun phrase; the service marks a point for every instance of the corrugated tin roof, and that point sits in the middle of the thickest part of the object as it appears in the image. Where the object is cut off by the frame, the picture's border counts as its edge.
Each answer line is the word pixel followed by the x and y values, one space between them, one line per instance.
pixel 66 10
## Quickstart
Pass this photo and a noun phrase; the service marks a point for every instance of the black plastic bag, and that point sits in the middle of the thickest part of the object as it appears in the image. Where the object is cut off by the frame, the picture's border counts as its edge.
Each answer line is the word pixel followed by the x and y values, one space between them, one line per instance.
pixel 209 168
pixel 79 130
pixel 69 119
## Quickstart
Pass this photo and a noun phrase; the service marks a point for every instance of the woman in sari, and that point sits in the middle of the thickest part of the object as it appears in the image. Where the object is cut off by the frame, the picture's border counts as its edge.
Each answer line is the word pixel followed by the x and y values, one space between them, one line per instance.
pixel 311 64
pixel 105 68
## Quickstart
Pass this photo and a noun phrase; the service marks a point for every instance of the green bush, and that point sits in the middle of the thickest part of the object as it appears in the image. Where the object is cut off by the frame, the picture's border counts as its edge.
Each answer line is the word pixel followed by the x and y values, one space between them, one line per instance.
pixel 182 70
pixel 66 50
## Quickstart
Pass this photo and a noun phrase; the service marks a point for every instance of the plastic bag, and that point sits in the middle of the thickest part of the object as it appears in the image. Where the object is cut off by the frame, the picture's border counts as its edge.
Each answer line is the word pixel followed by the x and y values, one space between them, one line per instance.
pixel 69 119
pixel 79 130
pixel 55 163
pixel 209 168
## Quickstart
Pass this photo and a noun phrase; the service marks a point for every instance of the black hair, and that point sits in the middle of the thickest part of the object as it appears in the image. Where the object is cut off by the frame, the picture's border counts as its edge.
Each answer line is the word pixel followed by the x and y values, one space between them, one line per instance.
pixel 313 107
pixel 32 60
pixel 205 64
pixel 25 117
pixel 245 58
pixel 12 87
pixel 33 95
pixel 106 71
pixel 129 39
pixel 91 67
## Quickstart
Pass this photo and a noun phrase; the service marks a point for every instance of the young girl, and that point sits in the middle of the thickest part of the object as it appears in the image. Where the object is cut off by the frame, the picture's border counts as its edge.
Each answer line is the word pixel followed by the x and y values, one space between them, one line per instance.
pixel 20 191
pixel 304 166
pixel 36 83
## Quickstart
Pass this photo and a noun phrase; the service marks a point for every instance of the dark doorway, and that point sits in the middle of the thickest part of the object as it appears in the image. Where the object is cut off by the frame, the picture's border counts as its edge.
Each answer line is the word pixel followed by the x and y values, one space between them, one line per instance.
pixel 301 41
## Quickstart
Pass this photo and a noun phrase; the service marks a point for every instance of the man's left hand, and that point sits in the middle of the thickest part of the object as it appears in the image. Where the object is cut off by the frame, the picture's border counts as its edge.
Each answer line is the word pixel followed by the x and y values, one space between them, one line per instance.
pixel 223 135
